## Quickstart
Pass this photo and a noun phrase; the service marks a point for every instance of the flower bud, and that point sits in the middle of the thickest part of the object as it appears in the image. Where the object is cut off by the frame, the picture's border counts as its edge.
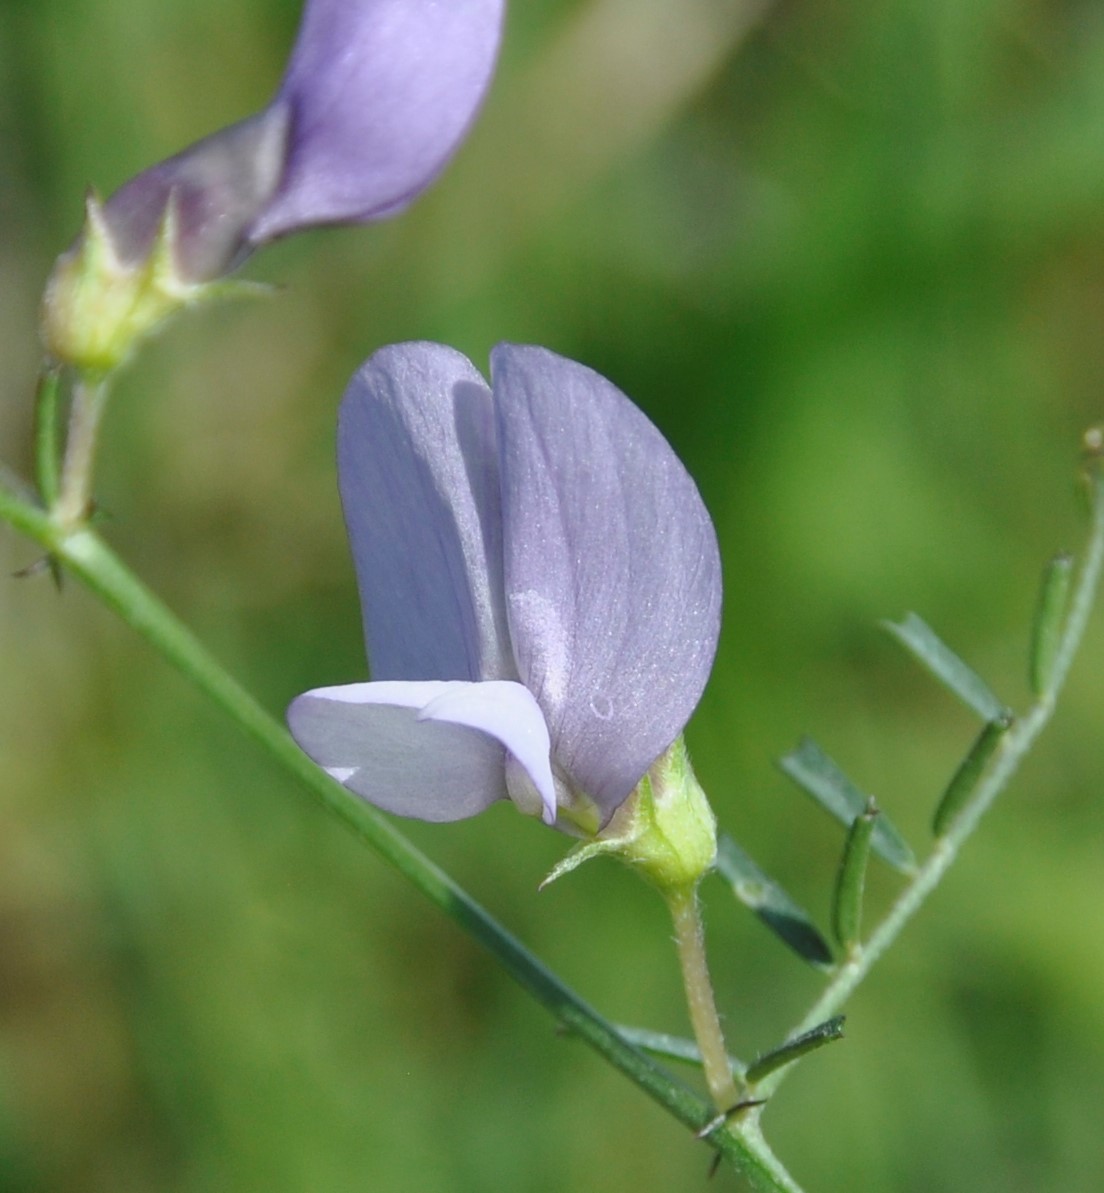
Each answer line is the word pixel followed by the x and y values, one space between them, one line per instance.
pixel 100 301
pixel 377 96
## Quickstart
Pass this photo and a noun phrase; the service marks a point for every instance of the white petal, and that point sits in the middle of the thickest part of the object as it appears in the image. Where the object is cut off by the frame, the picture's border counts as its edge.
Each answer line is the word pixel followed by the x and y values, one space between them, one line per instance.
pixel 508 712
pixel 372 738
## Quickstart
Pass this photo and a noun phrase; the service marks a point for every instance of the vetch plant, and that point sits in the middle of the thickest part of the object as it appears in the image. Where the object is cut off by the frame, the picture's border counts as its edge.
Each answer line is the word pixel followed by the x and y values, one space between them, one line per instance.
pixel 541 590
pixel 539 577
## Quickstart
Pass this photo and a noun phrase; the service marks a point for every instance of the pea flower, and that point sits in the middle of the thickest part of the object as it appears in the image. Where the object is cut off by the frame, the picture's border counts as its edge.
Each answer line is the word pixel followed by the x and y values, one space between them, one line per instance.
pixel 376 97
pixel 540 586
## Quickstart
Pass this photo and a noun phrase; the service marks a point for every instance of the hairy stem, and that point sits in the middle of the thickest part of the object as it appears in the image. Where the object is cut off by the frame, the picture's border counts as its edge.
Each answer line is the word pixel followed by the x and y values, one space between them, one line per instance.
pixel 74 500
pixel 690 940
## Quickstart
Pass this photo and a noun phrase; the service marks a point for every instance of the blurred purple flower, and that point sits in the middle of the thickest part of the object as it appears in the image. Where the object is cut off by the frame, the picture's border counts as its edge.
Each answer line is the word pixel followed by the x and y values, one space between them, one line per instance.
pixel 376 98
pixel 540 585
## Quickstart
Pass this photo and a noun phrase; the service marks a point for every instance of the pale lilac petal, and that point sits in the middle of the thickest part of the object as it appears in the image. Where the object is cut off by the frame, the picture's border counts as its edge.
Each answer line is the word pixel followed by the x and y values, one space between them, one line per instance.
pixel 377 97
pixel 613 584
pixel 381 93
pixel 508 712
pixel 419 486
pixel 218 185
pixel 373 739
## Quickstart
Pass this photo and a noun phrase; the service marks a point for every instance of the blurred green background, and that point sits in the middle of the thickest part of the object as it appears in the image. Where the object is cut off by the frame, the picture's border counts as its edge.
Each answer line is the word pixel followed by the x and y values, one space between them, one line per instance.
pixel 850 257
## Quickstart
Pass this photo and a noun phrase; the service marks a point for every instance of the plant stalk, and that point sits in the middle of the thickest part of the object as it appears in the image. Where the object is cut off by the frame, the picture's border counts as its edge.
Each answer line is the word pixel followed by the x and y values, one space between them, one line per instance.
pixel 74 500
pixel 690 941
pixel 1014 747
pixel 83 553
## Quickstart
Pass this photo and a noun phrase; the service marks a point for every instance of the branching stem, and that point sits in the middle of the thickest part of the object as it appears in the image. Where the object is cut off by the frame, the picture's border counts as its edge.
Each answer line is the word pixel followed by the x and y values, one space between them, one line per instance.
pixel 1013 749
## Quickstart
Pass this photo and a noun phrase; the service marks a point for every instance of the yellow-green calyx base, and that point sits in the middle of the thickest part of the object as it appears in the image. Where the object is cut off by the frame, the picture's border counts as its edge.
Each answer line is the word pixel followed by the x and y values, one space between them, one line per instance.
pixel 665 830
pixel 98 307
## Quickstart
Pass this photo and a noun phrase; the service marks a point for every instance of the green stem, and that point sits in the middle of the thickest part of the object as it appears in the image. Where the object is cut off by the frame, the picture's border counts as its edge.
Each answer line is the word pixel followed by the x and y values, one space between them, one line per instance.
pixel 74 500
pixel 690 940
pixel 1014 746
pixel 46 434
pixel 85 554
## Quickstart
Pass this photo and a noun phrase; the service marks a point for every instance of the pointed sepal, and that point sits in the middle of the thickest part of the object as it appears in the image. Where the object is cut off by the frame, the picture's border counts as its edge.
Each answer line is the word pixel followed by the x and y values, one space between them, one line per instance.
pixel 99 305
pixel 583 852
pixel 665 830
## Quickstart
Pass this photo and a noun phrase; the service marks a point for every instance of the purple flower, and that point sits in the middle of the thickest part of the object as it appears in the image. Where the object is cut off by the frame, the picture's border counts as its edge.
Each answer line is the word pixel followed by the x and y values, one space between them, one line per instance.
pixel 540 586
pixel 377 96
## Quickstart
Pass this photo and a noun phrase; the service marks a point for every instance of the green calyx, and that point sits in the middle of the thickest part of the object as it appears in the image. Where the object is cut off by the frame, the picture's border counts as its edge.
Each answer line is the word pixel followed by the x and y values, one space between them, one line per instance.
pixel 97 307
pixel 665 830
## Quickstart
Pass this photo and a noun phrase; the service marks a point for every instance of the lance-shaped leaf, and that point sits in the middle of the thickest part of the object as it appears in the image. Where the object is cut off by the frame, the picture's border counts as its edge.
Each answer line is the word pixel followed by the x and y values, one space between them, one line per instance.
pixel 923 642
pixel 816 773
pixel 659 1043
pixel 757 891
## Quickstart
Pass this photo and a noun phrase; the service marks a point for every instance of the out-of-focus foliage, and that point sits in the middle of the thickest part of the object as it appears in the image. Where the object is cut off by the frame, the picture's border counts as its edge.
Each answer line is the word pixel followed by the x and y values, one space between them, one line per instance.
pixel 853 266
